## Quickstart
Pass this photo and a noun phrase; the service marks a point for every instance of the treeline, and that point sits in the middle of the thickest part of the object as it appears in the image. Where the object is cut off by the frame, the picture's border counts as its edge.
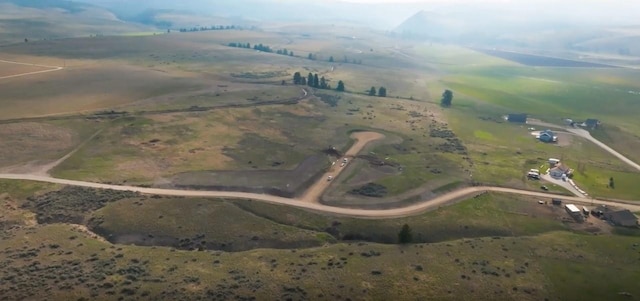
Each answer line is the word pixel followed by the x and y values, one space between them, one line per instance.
pixel 260 47
pixel 345 59
pixel 312 80
pixel 213 27
pixel 382 91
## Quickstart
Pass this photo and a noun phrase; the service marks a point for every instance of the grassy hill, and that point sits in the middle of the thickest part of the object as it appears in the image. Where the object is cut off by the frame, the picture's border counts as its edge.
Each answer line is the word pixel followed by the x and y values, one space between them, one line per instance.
pixel 33 20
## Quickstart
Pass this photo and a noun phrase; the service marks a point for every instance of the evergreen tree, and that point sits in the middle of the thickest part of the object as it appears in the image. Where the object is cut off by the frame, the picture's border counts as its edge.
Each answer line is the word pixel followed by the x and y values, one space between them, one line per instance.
pixel 303 81
pixel 382 92
pixel 310 56
pixel 285 51
pixel 316 81
pixel 340 87
pixel 447 98
pixel 331 59
pixel 405 236
pixel 291 53
pixel 372 91
pixel 310 80
pixel 297 78
pixel 323 83
pixel 612 185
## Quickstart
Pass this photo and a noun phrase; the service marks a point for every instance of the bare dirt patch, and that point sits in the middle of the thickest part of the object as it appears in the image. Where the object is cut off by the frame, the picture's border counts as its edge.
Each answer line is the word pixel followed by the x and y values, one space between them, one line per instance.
pixel 564 139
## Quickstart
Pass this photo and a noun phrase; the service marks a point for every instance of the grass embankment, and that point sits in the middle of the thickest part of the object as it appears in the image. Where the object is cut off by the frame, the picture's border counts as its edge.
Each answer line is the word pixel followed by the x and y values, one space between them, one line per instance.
pixel 61 262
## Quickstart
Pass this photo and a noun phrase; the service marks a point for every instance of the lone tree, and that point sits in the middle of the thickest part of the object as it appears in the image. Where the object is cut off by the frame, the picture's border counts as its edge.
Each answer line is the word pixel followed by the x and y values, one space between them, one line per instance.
pixel 382 92
pixel 405 236
pixel 331 59
pixel 612 185
pixel 372 91
pixel 340 86
pixel 447 98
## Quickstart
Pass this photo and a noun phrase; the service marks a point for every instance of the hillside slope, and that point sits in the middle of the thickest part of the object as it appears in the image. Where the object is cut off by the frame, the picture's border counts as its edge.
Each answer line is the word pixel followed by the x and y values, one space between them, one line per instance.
pixel 33 20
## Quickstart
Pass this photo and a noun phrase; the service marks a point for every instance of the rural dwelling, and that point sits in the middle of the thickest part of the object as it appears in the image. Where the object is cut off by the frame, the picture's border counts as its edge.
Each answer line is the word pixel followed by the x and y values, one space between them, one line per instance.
pixel 559 171
pixel 548 136
pixel 519 118
pixel 621 218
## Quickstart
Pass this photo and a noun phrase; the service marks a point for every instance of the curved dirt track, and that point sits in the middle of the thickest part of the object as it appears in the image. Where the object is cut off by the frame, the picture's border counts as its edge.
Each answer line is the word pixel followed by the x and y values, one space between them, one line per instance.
pixel 312 195
pixel 52 69
pixel 363 213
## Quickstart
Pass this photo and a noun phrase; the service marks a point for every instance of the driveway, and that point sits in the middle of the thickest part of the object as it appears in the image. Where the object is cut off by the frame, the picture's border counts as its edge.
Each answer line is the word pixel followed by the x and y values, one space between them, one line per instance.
pixel 563 184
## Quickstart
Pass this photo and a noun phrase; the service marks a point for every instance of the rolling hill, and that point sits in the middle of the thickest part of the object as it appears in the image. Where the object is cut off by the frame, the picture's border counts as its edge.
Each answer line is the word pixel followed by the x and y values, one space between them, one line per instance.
pixel 54 19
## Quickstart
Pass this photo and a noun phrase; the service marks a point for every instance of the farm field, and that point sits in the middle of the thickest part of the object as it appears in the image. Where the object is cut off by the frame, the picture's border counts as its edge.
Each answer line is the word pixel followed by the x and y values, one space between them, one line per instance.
pixel 490 88
pixel 541 61
pixel 509 243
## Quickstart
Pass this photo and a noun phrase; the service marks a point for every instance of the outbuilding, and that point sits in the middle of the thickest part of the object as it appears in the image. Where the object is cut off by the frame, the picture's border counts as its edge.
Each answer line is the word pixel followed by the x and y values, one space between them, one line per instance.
pixel 623 218
pixel 574 212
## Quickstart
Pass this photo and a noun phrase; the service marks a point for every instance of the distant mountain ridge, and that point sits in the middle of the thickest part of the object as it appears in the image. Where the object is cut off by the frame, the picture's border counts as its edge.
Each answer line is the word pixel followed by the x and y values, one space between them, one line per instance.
pixel 430 25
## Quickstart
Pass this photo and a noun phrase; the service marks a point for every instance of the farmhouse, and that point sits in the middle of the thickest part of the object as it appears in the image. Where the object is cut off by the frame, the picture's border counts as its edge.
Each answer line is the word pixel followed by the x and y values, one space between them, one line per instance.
pixel 559 171
pixel 621 218
pixel 519 118
pixel 548 136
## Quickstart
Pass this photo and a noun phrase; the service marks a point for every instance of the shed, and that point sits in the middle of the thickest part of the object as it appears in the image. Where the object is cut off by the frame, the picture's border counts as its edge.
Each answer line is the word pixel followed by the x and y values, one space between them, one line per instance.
pixel 519 118
pixel 591 123
pixel 622 218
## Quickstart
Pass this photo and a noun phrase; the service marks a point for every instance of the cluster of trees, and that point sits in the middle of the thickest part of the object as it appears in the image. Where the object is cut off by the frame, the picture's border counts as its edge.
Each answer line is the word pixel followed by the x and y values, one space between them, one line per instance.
pixel 260 47
pixel 345 60
pixel 214 27
pixel 312 80
pixel 382 91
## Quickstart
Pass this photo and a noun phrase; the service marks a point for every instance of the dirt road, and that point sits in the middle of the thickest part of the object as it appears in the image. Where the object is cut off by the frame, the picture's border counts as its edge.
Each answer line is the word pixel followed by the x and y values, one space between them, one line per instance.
pixel 312 195
pixel 586 135
pixel 52 69
pixel 415 209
